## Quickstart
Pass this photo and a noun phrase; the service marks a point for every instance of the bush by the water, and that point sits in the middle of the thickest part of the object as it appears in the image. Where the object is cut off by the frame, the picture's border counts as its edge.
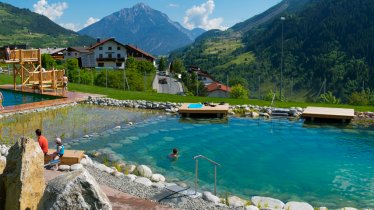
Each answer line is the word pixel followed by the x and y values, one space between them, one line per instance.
pixel 239 91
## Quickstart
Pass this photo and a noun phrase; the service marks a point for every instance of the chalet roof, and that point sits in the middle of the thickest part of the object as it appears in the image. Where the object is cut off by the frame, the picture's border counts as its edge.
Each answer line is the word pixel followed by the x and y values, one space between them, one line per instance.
pixel 79 49
pixel 51 51
pixel 140 51
pixel 105 41
pixel 218 86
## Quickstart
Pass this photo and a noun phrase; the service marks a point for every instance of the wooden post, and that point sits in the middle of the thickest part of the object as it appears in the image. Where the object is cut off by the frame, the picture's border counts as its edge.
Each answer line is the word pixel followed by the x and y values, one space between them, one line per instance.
pixel 41 81
pixel 14 76
pixel 22 78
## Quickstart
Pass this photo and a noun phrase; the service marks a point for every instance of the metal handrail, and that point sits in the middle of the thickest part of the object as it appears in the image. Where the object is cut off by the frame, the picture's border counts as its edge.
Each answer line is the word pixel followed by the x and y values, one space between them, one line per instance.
pixel 196 158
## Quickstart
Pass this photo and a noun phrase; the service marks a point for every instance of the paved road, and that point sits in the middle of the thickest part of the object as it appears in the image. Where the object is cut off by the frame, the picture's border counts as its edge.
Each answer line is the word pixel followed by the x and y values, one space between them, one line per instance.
pixel 172 86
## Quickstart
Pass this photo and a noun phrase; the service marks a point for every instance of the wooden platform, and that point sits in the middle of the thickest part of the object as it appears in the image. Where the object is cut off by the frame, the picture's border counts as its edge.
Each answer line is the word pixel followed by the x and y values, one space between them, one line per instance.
pixel 328 113
pixel 216 109
pixel 70 157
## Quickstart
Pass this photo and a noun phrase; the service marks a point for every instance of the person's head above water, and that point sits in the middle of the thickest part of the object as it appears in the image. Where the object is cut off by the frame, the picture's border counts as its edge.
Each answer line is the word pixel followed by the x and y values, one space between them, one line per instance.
pixel 175 151
pixel 38 132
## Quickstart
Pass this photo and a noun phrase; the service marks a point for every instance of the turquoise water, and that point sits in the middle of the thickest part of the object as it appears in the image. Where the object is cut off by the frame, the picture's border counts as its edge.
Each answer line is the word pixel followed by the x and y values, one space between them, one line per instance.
pixel 323 165
pixel 195 106
pixel 12 98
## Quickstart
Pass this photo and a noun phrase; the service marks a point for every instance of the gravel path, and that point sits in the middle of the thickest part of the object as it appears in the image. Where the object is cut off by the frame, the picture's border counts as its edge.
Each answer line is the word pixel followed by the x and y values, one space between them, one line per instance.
pixel 124 184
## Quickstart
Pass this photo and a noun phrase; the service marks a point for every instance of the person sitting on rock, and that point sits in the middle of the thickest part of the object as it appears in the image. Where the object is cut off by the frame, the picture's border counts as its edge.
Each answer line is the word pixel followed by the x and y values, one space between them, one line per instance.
pixel 43 142
pixel 174 155
pixel 60 150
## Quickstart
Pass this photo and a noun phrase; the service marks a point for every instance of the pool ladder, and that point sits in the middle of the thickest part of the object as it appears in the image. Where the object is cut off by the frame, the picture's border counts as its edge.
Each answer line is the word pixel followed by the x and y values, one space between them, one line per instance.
pixel 196 158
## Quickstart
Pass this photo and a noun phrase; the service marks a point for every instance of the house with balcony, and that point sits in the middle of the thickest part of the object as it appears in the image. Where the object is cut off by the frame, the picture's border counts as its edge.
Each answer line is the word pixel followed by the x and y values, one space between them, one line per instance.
pixel 108 54
pixel 137 53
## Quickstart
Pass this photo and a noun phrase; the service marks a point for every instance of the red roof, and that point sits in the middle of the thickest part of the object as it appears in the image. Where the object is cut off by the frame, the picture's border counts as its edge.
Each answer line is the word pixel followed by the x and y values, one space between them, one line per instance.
pixel 218 86
pixel 105 41
pixel 140 51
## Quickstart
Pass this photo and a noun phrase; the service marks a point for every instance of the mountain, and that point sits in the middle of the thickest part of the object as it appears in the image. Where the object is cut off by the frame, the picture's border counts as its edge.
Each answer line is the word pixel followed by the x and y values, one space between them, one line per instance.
pixel 21 26
pixel 325 42
pixel 145 27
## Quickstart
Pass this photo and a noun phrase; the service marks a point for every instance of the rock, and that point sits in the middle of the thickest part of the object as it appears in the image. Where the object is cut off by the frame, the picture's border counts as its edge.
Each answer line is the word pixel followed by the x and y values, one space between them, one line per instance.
pixel 158 185
pixel 104 168
pixel 348 208
pixel 132 177
pixel 118 174
pixel 255 114
pixel 322 208
pixel 266 202
pixel 157 178
pixel 129 169
pixel 236 202
pixel 64 168
pixel 23 177
pixel 251 207
pixel 144 181
pixel 76 167
pixel 143 171
pixel 3 151
pixel 292 205
pixel 208 196
pixel 86 161
pixel 2 164
pixel 86 136
pixel 74 190
pixel 117 127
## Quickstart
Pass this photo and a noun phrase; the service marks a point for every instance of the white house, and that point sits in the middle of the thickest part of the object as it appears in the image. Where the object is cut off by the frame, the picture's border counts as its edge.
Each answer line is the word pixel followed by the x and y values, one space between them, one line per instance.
pixel 108 53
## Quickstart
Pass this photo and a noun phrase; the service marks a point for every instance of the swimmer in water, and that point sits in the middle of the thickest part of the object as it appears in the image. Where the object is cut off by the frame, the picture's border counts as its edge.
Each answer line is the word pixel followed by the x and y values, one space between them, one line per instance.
pixel 174 155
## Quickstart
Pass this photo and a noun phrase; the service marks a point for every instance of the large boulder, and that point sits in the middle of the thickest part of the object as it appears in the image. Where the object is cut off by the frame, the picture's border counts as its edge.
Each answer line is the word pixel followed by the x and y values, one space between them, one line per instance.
pixel 144 181
pixel 74 190
pixel 144 171
pixel 23 178
pixel 265 202
pixel 292 205
pixel 236 202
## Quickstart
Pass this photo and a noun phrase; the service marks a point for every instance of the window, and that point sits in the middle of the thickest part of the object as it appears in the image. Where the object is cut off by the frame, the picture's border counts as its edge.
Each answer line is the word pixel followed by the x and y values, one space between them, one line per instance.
pixel 100 64
pixel 118 48
pixel 109 55
pixel 100 48
pixel 69 54
pixel 100 55
pixel 109 48
pixel 76 54
pixel 118 56
pixel 118 64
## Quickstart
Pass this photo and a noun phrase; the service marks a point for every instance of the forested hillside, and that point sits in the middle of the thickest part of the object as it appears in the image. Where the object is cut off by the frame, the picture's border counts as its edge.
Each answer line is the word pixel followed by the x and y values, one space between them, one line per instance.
pixel 21 26
pixel 324 40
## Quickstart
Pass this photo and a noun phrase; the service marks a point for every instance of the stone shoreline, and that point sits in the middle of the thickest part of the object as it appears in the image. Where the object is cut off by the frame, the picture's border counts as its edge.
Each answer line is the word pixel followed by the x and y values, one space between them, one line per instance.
pixel 148 187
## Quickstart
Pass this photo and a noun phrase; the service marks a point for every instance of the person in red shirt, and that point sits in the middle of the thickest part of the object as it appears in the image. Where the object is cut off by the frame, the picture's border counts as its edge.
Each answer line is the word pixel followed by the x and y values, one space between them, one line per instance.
pixel 43 142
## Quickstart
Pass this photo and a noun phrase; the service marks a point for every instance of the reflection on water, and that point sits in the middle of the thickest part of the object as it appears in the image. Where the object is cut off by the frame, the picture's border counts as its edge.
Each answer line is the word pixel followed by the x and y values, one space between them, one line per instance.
pixel 69 122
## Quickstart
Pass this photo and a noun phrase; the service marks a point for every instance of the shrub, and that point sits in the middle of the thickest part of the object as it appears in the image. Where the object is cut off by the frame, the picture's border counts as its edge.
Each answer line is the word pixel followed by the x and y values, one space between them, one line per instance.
pixel 238 91
pixel 358 99
pixel 329 98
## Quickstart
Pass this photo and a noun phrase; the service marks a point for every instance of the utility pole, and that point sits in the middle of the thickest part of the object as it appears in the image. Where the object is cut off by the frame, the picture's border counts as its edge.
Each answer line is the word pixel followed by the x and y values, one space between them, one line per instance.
pixel 197 84
pixel 281 83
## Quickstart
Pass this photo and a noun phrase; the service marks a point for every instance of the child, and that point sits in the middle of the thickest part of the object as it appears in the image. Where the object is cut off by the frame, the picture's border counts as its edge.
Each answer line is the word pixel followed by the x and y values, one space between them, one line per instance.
pixel 174 155
pixel 60 150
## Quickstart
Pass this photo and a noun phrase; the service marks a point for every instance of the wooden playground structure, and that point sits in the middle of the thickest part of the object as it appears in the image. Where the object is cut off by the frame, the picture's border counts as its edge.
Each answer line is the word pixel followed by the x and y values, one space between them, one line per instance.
pixel 27 64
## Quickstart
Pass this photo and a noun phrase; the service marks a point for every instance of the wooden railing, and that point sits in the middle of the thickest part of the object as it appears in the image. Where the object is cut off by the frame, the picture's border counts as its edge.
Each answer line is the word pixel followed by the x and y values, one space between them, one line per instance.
pixel 25 55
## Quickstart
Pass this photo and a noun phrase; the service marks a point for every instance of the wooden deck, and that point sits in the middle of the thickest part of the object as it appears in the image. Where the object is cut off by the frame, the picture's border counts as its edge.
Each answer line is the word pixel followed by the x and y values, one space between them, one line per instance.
pixel 69 97
pixel 216 109
pixel 70 157
pixel 328 113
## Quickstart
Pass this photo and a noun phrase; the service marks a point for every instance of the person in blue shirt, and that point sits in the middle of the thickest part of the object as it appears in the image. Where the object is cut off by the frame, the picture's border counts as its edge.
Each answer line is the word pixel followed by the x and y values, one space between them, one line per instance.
pixel 60 150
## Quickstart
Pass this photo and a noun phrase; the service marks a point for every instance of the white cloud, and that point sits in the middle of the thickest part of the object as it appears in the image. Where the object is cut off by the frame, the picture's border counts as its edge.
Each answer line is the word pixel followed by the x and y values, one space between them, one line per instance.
pixel 173 5
pixel 71 26
pixel 198 16
pixel 77 27
pixel 90 21
pixel 52 11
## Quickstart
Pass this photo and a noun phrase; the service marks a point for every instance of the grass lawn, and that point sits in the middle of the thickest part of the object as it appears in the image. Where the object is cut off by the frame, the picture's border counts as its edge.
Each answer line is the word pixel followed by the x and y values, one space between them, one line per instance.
pixel 151 96
pixel 132 95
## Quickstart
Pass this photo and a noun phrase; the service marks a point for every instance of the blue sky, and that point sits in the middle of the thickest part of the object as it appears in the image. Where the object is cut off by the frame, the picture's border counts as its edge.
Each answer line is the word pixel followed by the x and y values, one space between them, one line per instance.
pixel 207 14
